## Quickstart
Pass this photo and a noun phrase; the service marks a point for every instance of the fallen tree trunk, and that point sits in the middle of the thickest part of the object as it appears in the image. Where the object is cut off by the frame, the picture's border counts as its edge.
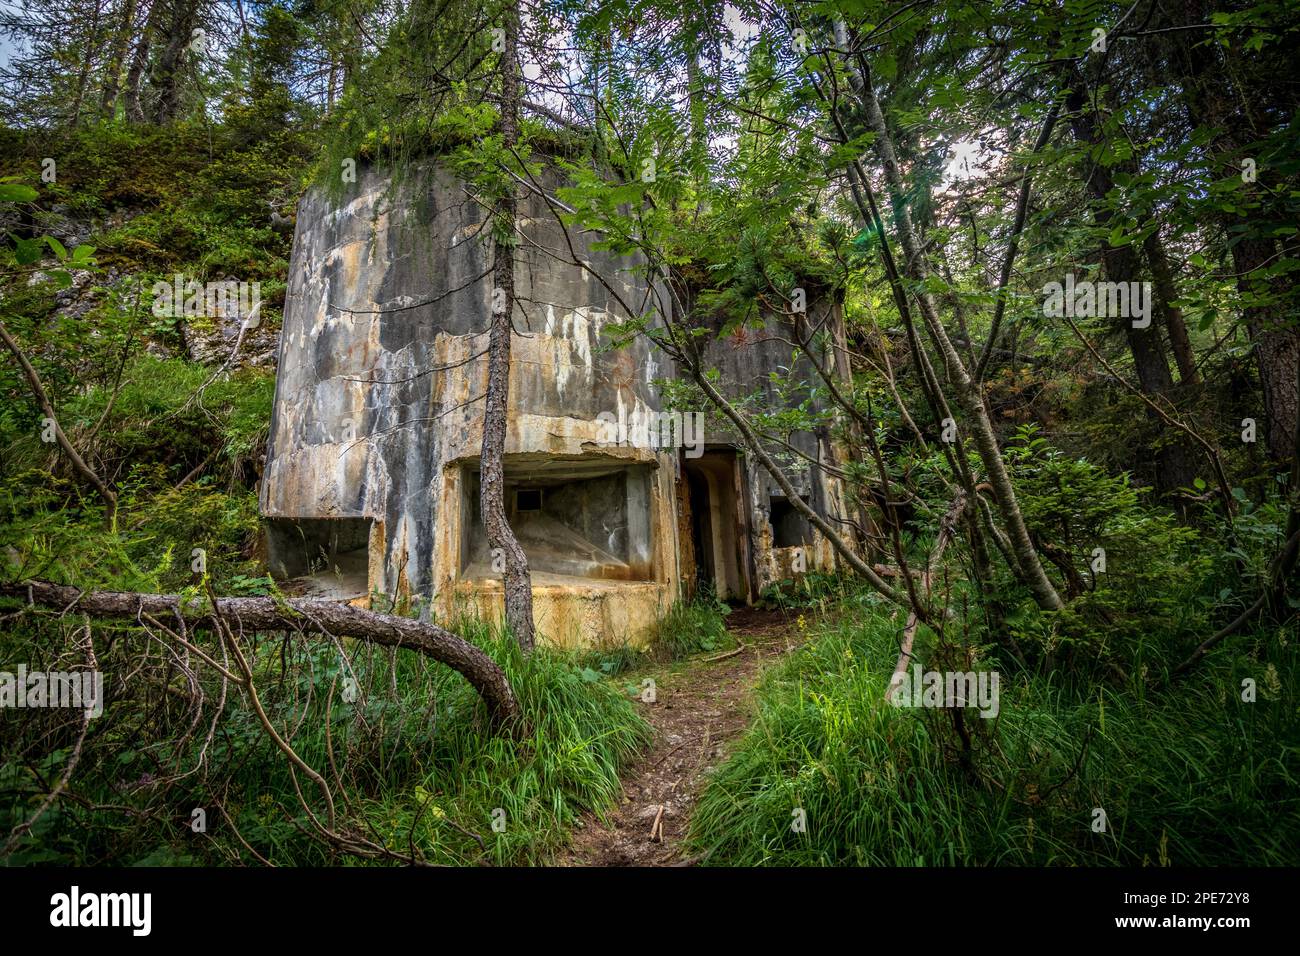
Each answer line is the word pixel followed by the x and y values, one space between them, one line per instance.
pixel 294 614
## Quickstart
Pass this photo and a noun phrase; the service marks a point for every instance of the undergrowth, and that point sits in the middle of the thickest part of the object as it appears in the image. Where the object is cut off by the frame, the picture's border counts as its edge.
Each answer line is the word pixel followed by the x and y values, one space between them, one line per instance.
pixel 1190 775
pixel 409 761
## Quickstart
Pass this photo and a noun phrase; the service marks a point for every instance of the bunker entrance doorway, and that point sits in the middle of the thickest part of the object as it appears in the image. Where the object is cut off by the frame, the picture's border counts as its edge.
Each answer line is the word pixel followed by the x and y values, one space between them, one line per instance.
pixel 716 520
pixel 323 557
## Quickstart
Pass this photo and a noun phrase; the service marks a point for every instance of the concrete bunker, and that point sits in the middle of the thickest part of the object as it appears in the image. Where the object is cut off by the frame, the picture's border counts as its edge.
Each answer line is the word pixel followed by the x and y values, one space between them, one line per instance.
pixel 378 414
pixel 371 478
pixel 790 529
pixel 717 524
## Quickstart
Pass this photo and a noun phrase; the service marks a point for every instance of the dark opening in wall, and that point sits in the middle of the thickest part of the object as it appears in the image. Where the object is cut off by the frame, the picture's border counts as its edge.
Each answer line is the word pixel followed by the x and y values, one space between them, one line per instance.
pixel 789 528
pixel 332 555
pixel 718 523
pixel 586 518
pixel 528 499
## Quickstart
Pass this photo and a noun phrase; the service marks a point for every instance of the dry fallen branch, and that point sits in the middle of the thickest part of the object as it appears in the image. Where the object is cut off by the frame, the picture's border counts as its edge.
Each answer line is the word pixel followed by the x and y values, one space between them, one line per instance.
pixel 25 827
pixel 725 654
pixel 278 614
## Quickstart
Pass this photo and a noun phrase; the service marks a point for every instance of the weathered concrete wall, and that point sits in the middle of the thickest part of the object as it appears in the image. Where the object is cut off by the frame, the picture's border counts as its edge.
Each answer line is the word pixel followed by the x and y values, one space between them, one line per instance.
pixel 378 400
pixel 746 361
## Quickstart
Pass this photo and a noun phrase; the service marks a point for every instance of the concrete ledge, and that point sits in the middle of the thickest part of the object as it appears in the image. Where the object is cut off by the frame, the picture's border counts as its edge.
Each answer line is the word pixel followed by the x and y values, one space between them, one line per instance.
pixel 575 613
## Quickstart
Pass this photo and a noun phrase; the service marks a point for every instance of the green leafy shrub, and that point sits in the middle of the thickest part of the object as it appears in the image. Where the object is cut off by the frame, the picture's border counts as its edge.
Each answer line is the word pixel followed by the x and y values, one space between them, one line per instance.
pixel 1153 588
pixel 692 628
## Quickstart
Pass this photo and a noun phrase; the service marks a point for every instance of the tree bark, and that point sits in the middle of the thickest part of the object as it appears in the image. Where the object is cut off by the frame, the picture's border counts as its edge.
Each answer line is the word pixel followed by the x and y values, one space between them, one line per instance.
pixel 139 60
pixel 1227 92
pixel 1282 576
pixel 116 57
pixel 1277 346
pixel 1170 315
pixel 286 614
pixel 1173 463
pixel 88 59
pixel 166 76
pixel 516 580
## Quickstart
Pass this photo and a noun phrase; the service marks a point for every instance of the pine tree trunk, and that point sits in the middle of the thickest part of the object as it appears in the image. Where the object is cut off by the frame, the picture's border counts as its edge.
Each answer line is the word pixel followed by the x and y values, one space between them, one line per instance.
pixel 166 76
pixel 501 538
pixel 87 61
pixel 131 105
pixel 1219 97
pixel 116 57
pixel 1277 345
pixel 1174 465
pixel 1170 315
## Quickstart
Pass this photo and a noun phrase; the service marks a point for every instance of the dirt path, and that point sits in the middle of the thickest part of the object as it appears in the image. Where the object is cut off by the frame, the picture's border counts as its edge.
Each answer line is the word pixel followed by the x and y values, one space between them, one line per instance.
pixel 700 706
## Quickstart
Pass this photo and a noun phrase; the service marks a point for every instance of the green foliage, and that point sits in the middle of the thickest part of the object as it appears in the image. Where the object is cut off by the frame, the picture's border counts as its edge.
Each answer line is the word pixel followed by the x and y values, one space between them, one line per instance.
pixel 739 187
pixel 692 628
pixel 159 428
pixel 166 412
pixel 176 199
pixel 1156 573
pixel 813 589
pixel 688 629
pixel 411 754
pixel 153 548
pixel 1191 776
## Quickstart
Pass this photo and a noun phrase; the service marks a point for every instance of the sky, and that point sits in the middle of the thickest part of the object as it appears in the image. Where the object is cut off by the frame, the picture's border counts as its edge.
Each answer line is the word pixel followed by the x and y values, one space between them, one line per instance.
pixel 6 44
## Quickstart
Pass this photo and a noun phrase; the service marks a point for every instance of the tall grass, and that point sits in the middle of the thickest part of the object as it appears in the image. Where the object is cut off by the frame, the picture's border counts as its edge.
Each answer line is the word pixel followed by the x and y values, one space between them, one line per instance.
pixel 695 627
pixel 410 762
pixel 1191 776
pixel 686 629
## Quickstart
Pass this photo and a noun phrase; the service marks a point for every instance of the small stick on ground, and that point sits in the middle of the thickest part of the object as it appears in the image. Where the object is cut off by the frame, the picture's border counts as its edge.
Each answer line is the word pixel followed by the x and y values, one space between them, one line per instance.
pixel 732 653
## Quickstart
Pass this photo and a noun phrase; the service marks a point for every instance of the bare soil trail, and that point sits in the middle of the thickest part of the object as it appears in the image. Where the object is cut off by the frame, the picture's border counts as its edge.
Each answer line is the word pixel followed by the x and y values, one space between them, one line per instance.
pixel 701 705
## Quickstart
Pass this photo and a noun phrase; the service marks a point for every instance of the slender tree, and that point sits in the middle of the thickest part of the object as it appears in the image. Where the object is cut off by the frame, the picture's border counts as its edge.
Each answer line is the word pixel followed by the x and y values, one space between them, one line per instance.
pixel 501 537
